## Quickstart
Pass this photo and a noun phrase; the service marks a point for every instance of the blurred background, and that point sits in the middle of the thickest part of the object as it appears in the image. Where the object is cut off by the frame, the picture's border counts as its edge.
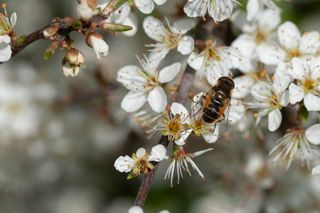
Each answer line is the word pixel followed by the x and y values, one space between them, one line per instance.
pixel 59 136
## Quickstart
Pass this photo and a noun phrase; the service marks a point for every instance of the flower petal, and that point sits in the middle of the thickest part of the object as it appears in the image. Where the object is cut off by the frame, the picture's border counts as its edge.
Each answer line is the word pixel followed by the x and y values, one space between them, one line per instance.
pixel 211 137
pixel 310 43
pixel 145 6
pixel 183 138
pixel 271 54
pixel 154 28
pixel 312 102
pixel 313 134
pixel 243 85
pixel 274 120
pixel 133 101
pixel 268 20
pixel 220 10
pixel 281 79
pixel 195 8
pixel 236 111
pixel 298 69
pixel 316 170
pixel 296 93
pixel 186 45
pixel 124 164
pixel 196 60
pixel 253 7
pixel 179 109
pixel 100 47
pixel 158 153
pixel 131 78
pixel 141 152
pixel 289 35
pixel 168 73
pixel 261 91
pixel 135 209
pixel 13 19
pixel 182 26
pixel 160 2
pixel 157 99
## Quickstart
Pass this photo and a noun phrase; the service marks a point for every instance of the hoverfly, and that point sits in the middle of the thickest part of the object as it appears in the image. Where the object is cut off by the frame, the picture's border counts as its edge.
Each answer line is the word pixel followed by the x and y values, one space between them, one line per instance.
pixel 215 102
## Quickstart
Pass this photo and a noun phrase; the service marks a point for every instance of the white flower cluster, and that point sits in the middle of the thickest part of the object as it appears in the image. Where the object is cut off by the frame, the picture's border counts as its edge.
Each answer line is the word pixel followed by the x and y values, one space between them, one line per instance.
pixel 6 29
pixel 279 68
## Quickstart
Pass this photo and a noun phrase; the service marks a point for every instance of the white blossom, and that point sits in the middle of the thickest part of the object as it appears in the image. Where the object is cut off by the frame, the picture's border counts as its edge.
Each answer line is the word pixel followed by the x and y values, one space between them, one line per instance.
pixel 259 36
pixel 174 124
pixel 180 161
pixel 124 16
pixel 5 48
pixel 6 27
pixel 297 143
pixel 158 153
pixel 307 84
pixel 100 47
pixel 254 7
pixel 168 38
pixel 86 9
pixel 7 23
pixel 145 85
pixel 124 164
pixel 140 162
pixel 147 6
pixel 270 98
pixel 215 62
pixel 219 10
pixel 291 45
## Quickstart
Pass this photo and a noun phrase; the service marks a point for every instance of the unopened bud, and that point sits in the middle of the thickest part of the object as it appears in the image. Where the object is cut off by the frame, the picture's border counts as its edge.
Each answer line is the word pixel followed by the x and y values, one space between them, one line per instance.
pixel 100 47
pixel 116 27
pixel 86 9
pixel 74 57
pixel 50 50
pixel 50 32
pixel 72 62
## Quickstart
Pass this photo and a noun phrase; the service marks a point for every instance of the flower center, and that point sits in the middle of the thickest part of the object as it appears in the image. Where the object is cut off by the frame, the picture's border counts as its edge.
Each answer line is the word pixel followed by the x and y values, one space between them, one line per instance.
pixel 309 84
pixel 259 74
pixel 213 55
pixel 294 53
pixel 175 126
pixel 152 82
pixel 273 102
pixel 260 37
pixel 197 126
pixel 14 107
pixel 172 41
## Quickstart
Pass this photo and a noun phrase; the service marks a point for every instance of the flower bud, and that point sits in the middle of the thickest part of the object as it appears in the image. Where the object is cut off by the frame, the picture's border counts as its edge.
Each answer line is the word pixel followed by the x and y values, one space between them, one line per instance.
pixel 115 27
pixel 100 47
pixel 74 57
pixel 50 32
pixel 72 62
pixel 86 9
pixel 50 50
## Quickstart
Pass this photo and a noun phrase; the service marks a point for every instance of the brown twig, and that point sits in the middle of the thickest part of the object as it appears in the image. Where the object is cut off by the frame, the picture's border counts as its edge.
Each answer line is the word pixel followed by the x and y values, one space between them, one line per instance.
pixel 64 29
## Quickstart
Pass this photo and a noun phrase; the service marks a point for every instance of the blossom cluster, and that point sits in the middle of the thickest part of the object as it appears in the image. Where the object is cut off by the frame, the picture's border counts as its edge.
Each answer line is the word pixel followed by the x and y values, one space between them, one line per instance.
pixel 269 72
pixel 276 68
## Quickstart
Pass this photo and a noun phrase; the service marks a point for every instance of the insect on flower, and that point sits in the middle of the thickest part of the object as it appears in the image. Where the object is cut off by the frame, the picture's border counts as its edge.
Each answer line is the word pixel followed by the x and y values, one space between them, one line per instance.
pixel 217 100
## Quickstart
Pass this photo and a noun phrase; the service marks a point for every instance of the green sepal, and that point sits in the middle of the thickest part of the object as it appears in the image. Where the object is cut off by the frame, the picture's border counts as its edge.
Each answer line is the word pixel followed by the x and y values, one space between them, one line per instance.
pixel 303 113
pixel 116 27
